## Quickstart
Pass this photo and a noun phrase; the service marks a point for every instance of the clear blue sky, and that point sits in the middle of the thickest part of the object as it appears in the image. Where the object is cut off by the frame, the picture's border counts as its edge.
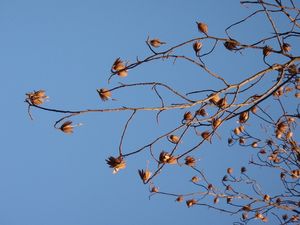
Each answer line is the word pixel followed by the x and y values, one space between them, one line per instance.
pixel 67 47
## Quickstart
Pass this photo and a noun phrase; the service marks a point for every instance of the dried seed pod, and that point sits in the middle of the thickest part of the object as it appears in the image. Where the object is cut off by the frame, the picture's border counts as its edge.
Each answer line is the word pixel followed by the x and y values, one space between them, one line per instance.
pixel 116 163
pixel 225 178
pixel 216 122
pixel 156 43
pixel 295 174
pixel 297 95
pixel 254 144
pixel 144 175
pixel 279 92
pixel 262 151
pixel 118 65
pixel 67 127
pixel 230 141
pixel 206 135
pixel 236 131
pixel 179 198
pixel 231 44
pixel 201 112
pixel 229 199
pixel 222 103
pixel 258 215
pixel 246 208
pixel 154 189
pixel 202 27
pixel 190 161
pixel 210 186
pixel 191 202
pixel 242 141
pixel 282 127
pixel 37 97
pixel 267 198
pixel 229 170
pixel 197 46
pixel 285 217
pixel 164 157
pixel 172 160
pixel 278 201
pixel 286 47
pixel 173 138
pixel 267 50
pixel 214 98
pixel 228 188
pixel 245 216
pixel 254 109
pixel 289 134
pixel 195 179
pixel 104 94
pixel 188 116
pixel 244 116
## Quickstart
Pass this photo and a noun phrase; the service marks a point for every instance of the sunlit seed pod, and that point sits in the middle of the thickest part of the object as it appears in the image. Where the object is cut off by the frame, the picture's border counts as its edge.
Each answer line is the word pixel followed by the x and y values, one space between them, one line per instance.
pixel 291 120
pixel 278 134
pixel 179 198
pixel 201 112
pixel 40 94
pixel 247 208
pixel 164 157
pixel 123 73
pixel 282 127
pixel 156 43
pixel 144 175
pixel 188 116
pixel 116 163
pixel 254 144
pixel 174 139
pixel 195 179
pixel 258 215
pixel 245 216
pixel 285 217
pixel 264 219
pixel 278 93
pixel 172 160
pixel 267 50
pixel 67 127
pixel 236 131
pixel 104 94
pixel 190 161
pixel 216 122
pixel 254 109
pixel 118 65
pixel 242 141
pixel 216 200
pixel 295 174
pixel 202 27
pixel 222 103
pixel 206 135
pixel 229 170
pixel 210 186
pixel 289 134
pixel 295 218
pixel 288 89
pixel 297 87
pixel 286 47
pixel 197 46
pixel 297 95
pixel 244 116
pixel 154 190
pixel 241 128
pixel 191 202
pixel 267 198
pixel 243 169
pixel 214 98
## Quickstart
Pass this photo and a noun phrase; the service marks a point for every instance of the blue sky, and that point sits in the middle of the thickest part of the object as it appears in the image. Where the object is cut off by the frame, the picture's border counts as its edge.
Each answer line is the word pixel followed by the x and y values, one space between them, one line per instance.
pixel 67 48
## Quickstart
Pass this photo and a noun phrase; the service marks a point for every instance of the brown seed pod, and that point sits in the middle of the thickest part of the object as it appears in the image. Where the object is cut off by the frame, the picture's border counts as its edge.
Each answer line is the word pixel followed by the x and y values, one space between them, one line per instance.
pixel 254 109
pixel 116 163
pixel 197 46
pixel 154 189
pixel 202 27
pixel 267 50
pixel 195 179
pixel 246 208
pixel 123 73
pixel 173 138
pixel 216 200
pixel 229 199
pixel 222 103
pixel 214 98
pixel 282 127
pixel 242 141
pixel 156 43
pixel 216 122
pixel 191 202
pixel 258 215
pixel 229 170
pixel 244 116
pixel 104 94
pixel 243 169
pixel 210 186
pixel 245 216
pixel 201 112
pixel 206 135
pixel 254 144
pixel 231 44
pixel 286 47
pixel 118 65
pixel 179 198
pixel 190 161
pixel 267 198
pixel 188 116
pixel 293 69
pixel 144 175
pixel 67 127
